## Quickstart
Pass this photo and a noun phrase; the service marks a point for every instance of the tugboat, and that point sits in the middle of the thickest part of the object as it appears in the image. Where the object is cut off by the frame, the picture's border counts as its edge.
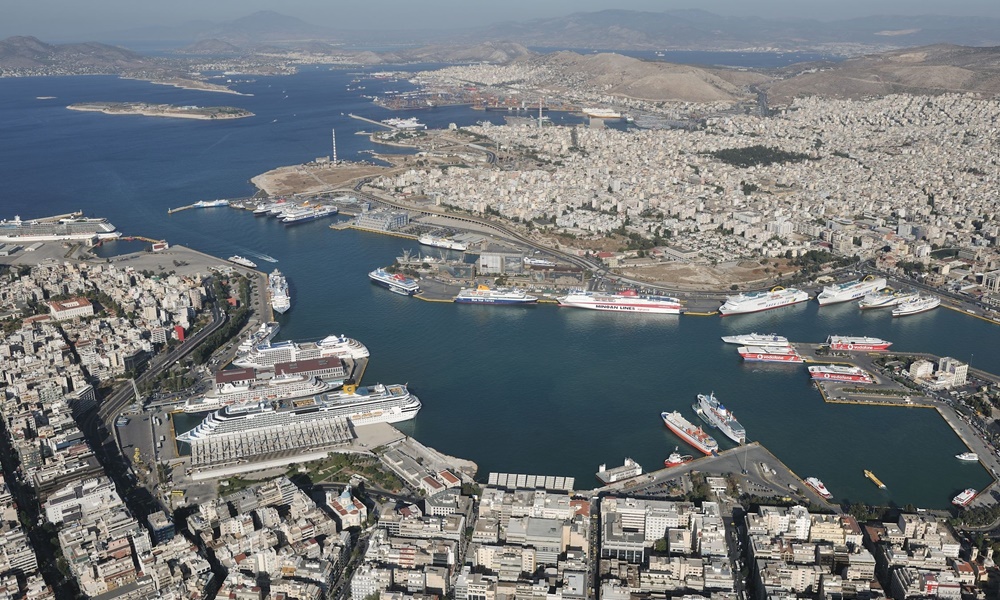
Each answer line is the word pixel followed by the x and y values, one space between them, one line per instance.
pixel 676 459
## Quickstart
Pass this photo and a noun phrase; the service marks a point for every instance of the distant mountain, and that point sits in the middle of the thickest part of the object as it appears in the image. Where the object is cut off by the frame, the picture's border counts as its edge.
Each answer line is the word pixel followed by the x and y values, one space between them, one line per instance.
pixel 31 53
pixel 492 52
pixel 211 47
pixel 259 28
pixel 927 70
pixel 701 30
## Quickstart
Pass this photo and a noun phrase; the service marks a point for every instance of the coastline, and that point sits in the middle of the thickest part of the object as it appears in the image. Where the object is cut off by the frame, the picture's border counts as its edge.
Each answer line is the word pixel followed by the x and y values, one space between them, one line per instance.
pixel 159 110
pixel 194 84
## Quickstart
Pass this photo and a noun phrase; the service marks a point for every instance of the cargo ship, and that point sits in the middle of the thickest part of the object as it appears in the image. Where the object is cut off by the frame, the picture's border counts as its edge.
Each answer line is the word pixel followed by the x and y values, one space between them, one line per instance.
pixel 968 456
pixel 874 479
pixel 756 339
pixel 885 299
pixel 359 406
pixel 395 282
pixel 785 354
pixel 839 373
pixel 817 485
pixel 715 414
pixel 626 301
pixel 676 459
pixel 916 305
pixel 243 262
pixel 695 436
pixel 484 295
pixel 271 353
pixel 965 498
pixel 846 342
pixel 440 242
pixel 277 289
pixel 751 302
pixel 850 290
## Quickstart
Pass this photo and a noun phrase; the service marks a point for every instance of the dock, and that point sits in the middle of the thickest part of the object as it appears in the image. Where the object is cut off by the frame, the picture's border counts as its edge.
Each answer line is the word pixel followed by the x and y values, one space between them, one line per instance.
pixel 367 120
pixel 171 211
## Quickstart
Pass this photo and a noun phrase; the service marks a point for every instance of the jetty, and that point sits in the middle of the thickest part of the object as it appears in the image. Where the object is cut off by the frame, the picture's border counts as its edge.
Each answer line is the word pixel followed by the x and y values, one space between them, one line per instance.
pixel 367 120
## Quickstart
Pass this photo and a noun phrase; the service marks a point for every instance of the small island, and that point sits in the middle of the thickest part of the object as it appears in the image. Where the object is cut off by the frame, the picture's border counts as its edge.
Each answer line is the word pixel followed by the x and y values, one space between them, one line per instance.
pixel 164 110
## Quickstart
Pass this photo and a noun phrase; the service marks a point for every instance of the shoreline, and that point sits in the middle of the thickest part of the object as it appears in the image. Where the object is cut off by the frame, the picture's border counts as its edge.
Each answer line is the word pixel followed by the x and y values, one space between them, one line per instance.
pixel 165 111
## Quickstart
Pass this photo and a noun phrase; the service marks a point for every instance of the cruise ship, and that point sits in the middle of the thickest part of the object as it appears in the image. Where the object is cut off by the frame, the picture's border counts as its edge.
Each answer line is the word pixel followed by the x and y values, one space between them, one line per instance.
pixel 626 301
pixel 884 299
pixel 395 282
pixel 817 485
pixel 309 214
pixel 968 456
pixel 243 262
pixel 715 414
pixel 440 242
pixel 850 290
pixel 265 333
pixel 74 227
pixel 756 339
pixel 277 388
pixel 210 203
pixel 405 124
pixel 757 301
pixel 685 430
pixel 846 342
pixel 916 305
pixel 839 373
pixel 784 354
pixel 965 498
pixel 601 113
pixel 277 289
pixel 361 406
pixel 271 353
pixel 484 295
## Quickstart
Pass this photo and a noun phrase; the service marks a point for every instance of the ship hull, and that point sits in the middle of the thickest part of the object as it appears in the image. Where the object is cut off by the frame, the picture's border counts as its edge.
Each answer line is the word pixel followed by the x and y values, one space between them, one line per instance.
pixel 649 308
pixel 393 288
pixel 752 356
pixel 861 347
pixel 824 376
pixel 741 305
pixel 859 290
pixel 509 301
pixel 679 431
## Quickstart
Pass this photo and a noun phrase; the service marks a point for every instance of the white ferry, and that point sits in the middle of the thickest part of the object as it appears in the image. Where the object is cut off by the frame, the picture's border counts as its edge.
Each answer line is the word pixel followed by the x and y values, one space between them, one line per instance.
pixel 440 242
pixel 756 339
pixel 395 282
pixel 917 305
pixel 757 301
pixel 850 290
pixel 243 262
pixel 626 301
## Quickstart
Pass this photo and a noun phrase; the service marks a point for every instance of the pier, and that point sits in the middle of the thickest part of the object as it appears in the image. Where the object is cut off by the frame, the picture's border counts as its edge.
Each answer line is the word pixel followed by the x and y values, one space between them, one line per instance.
pixel 367 120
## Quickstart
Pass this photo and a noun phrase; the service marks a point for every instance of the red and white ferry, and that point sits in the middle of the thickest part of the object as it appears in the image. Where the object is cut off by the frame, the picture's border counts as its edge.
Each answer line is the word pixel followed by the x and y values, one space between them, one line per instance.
pixel 965 498
pixel 785 354
pixel 695 436
pixel 839 373
pixel 817 485
pixel 676 459
pixel 846 342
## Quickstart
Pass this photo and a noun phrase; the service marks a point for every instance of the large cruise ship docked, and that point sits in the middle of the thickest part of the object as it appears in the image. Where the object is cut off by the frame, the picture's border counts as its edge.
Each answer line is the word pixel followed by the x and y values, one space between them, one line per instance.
pixel 757 301
pixel 783 354
pixel 484 295
pixel 440 242
pixel 73 227
pixel 715 414
pixel 756 339
pixel 277 388
pixel 884 299
pixel 846 342
pixel 309 214
pixel 850 290
pixel 395 282
pixel 362 406
pixel 271 353
pixel 277 289
pixel 685 430
pixel 917 305
pixel 627 301
pixel 839 373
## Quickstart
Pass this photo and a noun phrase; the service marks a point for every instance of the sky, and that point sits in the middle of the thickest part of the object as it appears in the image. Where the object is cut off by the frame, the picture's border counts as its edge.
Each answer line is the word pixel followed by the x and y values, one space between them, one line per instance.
pixel 79 20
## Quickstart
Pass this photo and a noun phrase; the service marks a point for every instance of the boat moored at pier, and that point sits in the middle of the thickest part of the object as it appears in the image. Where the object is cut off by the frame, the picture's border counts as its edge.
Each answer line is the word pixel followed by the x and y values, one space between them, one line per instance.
pixel 965 498
pixel 850 290
pixel 852 343
pixel 268 354
pixel 817 485
pixel 785 354
pixel 839 373
pixel 884 299
pixel 756 339
pixel 715 414
pixel 916 305
pixel 394 282
pixel 968 456
pixel 626 301
pixel 685 430
pixel 751 302
pixel 277 289
pixel 440 242
pixel 483 294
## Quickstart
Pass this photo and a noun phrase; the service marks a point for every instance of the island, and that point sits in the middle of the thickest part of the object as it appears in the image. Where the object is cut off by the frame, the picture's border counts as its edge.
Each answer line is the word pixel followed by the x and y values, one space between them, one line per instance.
pixel 163 110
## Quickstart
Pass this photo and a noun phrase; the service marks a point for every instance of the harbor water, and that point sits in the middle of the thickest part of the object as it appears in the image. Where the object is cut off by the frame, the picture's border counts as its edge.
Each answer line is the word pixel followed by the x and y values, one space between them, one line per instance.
pixel 536 390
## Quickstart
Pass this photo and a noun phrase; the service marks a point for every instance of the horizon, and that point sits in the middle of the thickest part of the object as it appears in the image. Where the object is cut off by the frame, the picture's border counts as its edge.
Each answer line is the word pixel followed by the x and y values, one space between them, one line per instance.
pixel 61 21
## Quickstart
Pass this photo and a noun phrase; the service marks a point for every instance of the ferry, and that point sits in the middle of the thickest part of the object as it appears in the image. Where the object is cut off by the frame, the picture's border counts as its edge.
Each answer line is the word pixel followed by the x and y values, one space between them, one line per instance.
pixel 484 295
pixel 695 436
pixel 817 485
pixel 965 498
pixel 715 414
pixel 395 282
pixel 243 262
pixel 874 479
pixel 850 290
pixel 751 302
pixel 784 354
pixel 884 299
pixel 268 353
pixel 626 301
pixel 440 242
pixel 676 459
pixel 845 342
pixel 601 113
pixel 968 456
pixel 277 289
pixel 309 214
pixel 756 339
pixel 917 305
pixel 210 203
pixel 839 373
pixel 537 262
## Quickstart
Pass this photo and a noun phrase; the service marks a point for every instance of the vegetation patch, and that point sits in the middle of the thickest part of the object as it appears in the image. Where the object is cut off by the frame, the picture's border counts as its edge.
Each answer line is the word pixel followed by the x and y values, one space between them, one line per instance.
pixel 753 156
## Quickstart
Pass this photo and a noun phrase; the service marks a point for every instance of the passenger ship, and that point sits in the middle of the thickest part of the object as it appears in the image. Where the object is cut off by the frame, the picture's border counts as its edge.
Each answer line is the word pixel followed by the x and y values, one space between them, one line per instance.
pixel 271 353
pixel 626 301
pixel 395 282
pixel 850 290
pixel 751 302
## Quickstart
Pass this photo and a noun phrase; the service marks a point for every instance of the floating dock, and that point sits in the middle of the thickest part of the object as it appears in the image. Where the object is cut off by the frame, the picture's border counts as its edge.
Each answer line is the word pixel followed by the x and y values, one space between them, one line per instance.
pixel 874 479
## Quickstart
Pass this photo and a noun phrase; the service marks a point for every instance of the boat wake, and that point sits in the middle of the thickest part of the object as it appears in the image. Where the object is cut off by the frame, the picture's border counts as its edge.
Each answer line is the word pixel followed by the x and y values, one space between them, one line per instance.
pixel 269 259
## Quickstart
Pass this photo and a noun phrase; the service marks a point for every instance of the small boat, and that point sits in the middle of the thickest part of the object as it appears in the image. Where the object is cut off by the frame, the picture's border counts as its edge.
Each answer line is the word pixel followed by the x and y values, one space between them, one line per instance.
pixel 676 459
pixel 965 498
pixel 969 456
pixel 874 479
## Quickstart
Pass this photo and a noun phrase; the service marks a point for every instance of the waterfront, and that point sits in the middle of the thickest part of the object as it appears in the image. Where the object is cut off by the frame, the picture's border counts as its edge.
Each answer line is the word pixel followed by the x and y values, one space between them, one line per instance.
pixel 532 390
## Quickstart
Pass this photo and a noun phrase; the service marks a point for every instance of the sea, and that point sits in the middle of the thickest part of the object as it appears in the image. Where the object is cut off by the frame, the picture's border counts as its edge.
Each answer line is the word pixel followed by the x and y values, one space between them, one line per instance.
pixel 535 390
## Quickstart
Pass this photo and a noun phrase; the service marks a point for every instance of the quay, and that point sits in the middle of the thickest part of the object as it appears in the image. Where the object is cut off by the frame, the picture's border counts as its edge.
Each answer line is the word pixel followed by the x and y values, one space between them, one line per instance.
pixel 367 120
pixel 171 211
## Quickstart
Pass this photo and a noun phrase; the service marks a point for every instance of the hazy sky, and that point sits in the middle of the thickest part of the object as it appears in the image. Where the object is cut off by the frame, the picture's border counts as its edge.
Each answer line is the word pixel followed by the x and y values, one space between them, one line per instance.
pixel 86 19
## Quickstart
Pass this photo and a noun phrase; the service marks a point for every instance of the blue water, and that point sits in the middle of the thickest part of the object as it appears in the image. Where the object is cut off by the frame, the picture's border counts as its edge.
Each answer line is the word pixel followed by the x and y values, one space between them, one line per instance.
pixel 517 389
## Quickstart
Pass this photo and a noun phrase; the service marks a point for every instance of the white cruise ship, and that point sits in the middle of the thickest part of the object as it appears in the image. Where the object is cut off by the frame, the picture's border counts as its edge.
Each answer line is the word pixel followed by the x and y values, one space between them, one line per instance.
pixel 482 294
pixel 757 301
pixel 395 282
pixel 756 339
pixel 277 388
pixel 440 242
pixel 627 301
pixel 264 333
pixel 850 290
pixel 269 354
pixel 361 406
pixel 884 299
pixel 917 305
pixel 277 288
pixel 715 414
